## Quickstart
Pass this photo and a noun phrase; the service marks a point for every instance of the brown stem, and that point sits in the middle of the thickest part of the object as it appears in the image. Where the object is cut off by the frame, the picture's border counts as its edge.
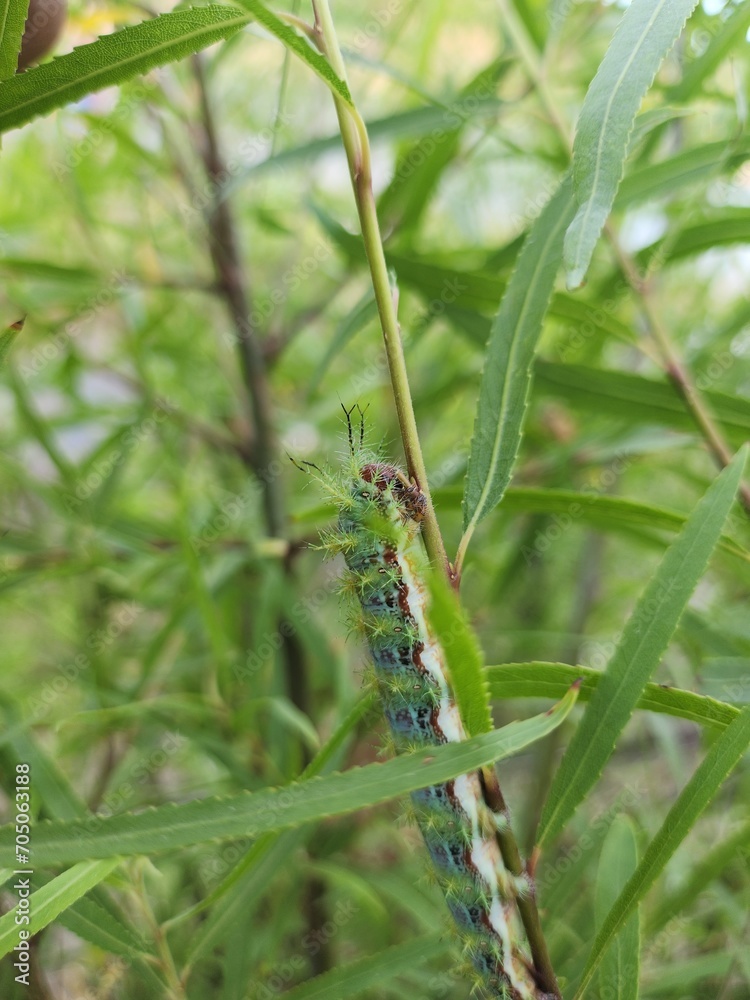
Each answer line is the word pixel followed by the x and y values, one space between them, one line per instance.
pixel 227 262
pixel 527 906
pixel 676 371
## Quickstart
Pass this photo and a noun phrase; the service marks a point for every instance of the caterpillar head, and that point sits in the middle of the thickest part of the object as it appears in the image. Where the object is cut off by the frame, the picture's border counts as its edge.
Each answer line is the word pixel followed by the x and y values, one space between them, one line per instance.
pixel 389 480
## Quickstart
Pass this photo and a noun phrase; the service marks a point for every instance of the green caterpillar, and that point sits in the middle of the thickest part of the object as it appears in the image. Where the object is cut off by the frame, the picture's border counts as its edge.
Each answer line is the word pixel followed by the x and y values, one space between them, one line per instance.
pixel 380 512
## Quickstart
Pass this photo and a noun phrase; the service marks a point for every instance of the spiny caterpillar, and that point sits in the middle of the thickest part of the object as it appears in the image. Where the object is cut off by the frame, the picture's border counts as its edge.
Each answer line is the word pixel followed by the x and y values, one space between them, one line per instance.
pixel 380 512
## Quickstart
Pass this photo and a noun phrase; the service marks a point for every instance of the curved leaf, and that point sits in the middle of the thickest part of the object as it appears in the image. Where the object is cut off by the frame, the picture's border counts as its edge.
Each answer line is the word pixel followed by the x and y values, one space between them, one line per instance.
pixel 13 15
pixel 610 512
pixel 113 59
pixel 551 680
pixel 644 639
pixel 289 37
pixel 249 815
pixel 621 960
pixel 463 655
pixel 695 796
pixel 49 902
pixel 637 398
pixel 645 35
pixel 506 380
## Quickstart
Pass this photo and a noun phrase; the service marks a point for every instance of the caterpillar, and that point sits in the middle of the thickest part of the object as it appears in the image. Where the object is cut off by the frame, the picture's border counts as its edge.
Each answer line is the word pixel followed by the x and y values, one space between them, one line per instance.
pixel 378 533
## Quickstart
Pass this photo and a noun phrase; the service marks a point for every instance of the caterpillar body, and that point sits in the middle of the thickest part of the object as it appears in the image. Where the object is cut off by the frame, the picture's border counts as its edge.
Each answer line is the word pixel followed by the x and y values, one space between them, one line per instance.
pixel 378 532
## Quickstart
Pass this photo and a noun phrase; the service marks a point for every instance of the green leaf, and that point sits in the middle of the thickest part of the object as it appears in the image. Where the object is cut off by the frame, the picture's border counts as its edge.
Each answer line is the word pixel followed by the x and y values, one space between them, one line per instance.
pixel 422 164
pixel 718 859
pixel 723 228
pixel 609 512
pixel 551 680
pixel 289 37
pixel 731 33
pixel 13 15
pixel 648 30
pixel 363 312
pixel 621 961
pixel 372 972
pixel 54 897
pixel 725 753
pixel 644 640
pixel 693 166
pixel 113 59
pixel 91 922
pixel 251 874
pixel 7 337
pixel 637 398
pixel 251 814
pixel 506 380
pixel 463 655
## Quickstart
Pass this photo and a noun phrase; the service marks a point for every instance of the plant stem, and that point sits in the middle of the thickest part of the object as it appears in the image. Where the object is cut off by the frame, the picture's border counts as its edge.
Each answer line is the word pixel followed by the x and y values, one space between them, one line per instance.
pixel 669 357
pixel 356 144
pixel 675 370
pixel 357 147
pixel 230 275
pixel 527 906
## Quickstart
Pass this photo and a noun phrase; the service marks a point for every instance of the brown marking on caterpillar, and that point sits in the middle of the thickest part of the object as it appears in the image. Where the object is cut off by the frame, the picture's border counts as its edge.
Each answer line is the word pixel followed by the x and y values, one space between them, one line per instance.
pixel 408 494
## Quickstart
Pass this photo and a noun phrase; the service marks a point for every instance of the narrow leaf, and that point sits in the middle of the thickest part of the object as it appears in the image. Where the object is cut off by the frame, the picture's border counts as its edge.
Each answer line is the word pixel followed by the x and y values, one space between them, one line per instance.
pixel 49 902
pixel 113 59
pixel 611 513
pixel 463 655
pixel 644 640
pixel 91 922
pixel 317 63
pixel 637 398
pixel 249 815
pixel 13 15
pixel 372 972
pixel 645 35
pixel 552 680
pixel 725 753
pixel 8 336
pixel 731 33
pixel 506 381
pixel 621 961
pixel 733 849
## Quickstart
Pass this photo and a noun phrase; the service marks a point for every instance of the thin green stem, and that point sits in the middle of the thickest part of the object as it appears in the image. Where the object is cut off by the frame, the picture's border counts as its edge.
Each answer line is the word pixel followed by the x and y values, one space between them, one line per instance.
pixel 356 144
pixel 357 147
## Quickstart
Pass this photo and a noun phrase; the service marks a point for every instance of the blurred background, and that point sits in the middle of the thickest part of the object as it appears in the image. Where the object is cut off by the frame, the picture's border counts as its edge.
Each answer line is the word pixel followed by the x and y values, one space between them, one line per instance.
pixel 184 250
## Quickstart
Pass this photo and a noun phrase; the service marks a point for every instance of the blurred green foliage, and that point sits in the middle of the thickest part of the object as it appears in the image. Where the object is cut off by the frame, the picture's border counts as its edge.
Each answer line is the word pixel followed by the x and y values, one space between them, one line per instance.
pixel 162 644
